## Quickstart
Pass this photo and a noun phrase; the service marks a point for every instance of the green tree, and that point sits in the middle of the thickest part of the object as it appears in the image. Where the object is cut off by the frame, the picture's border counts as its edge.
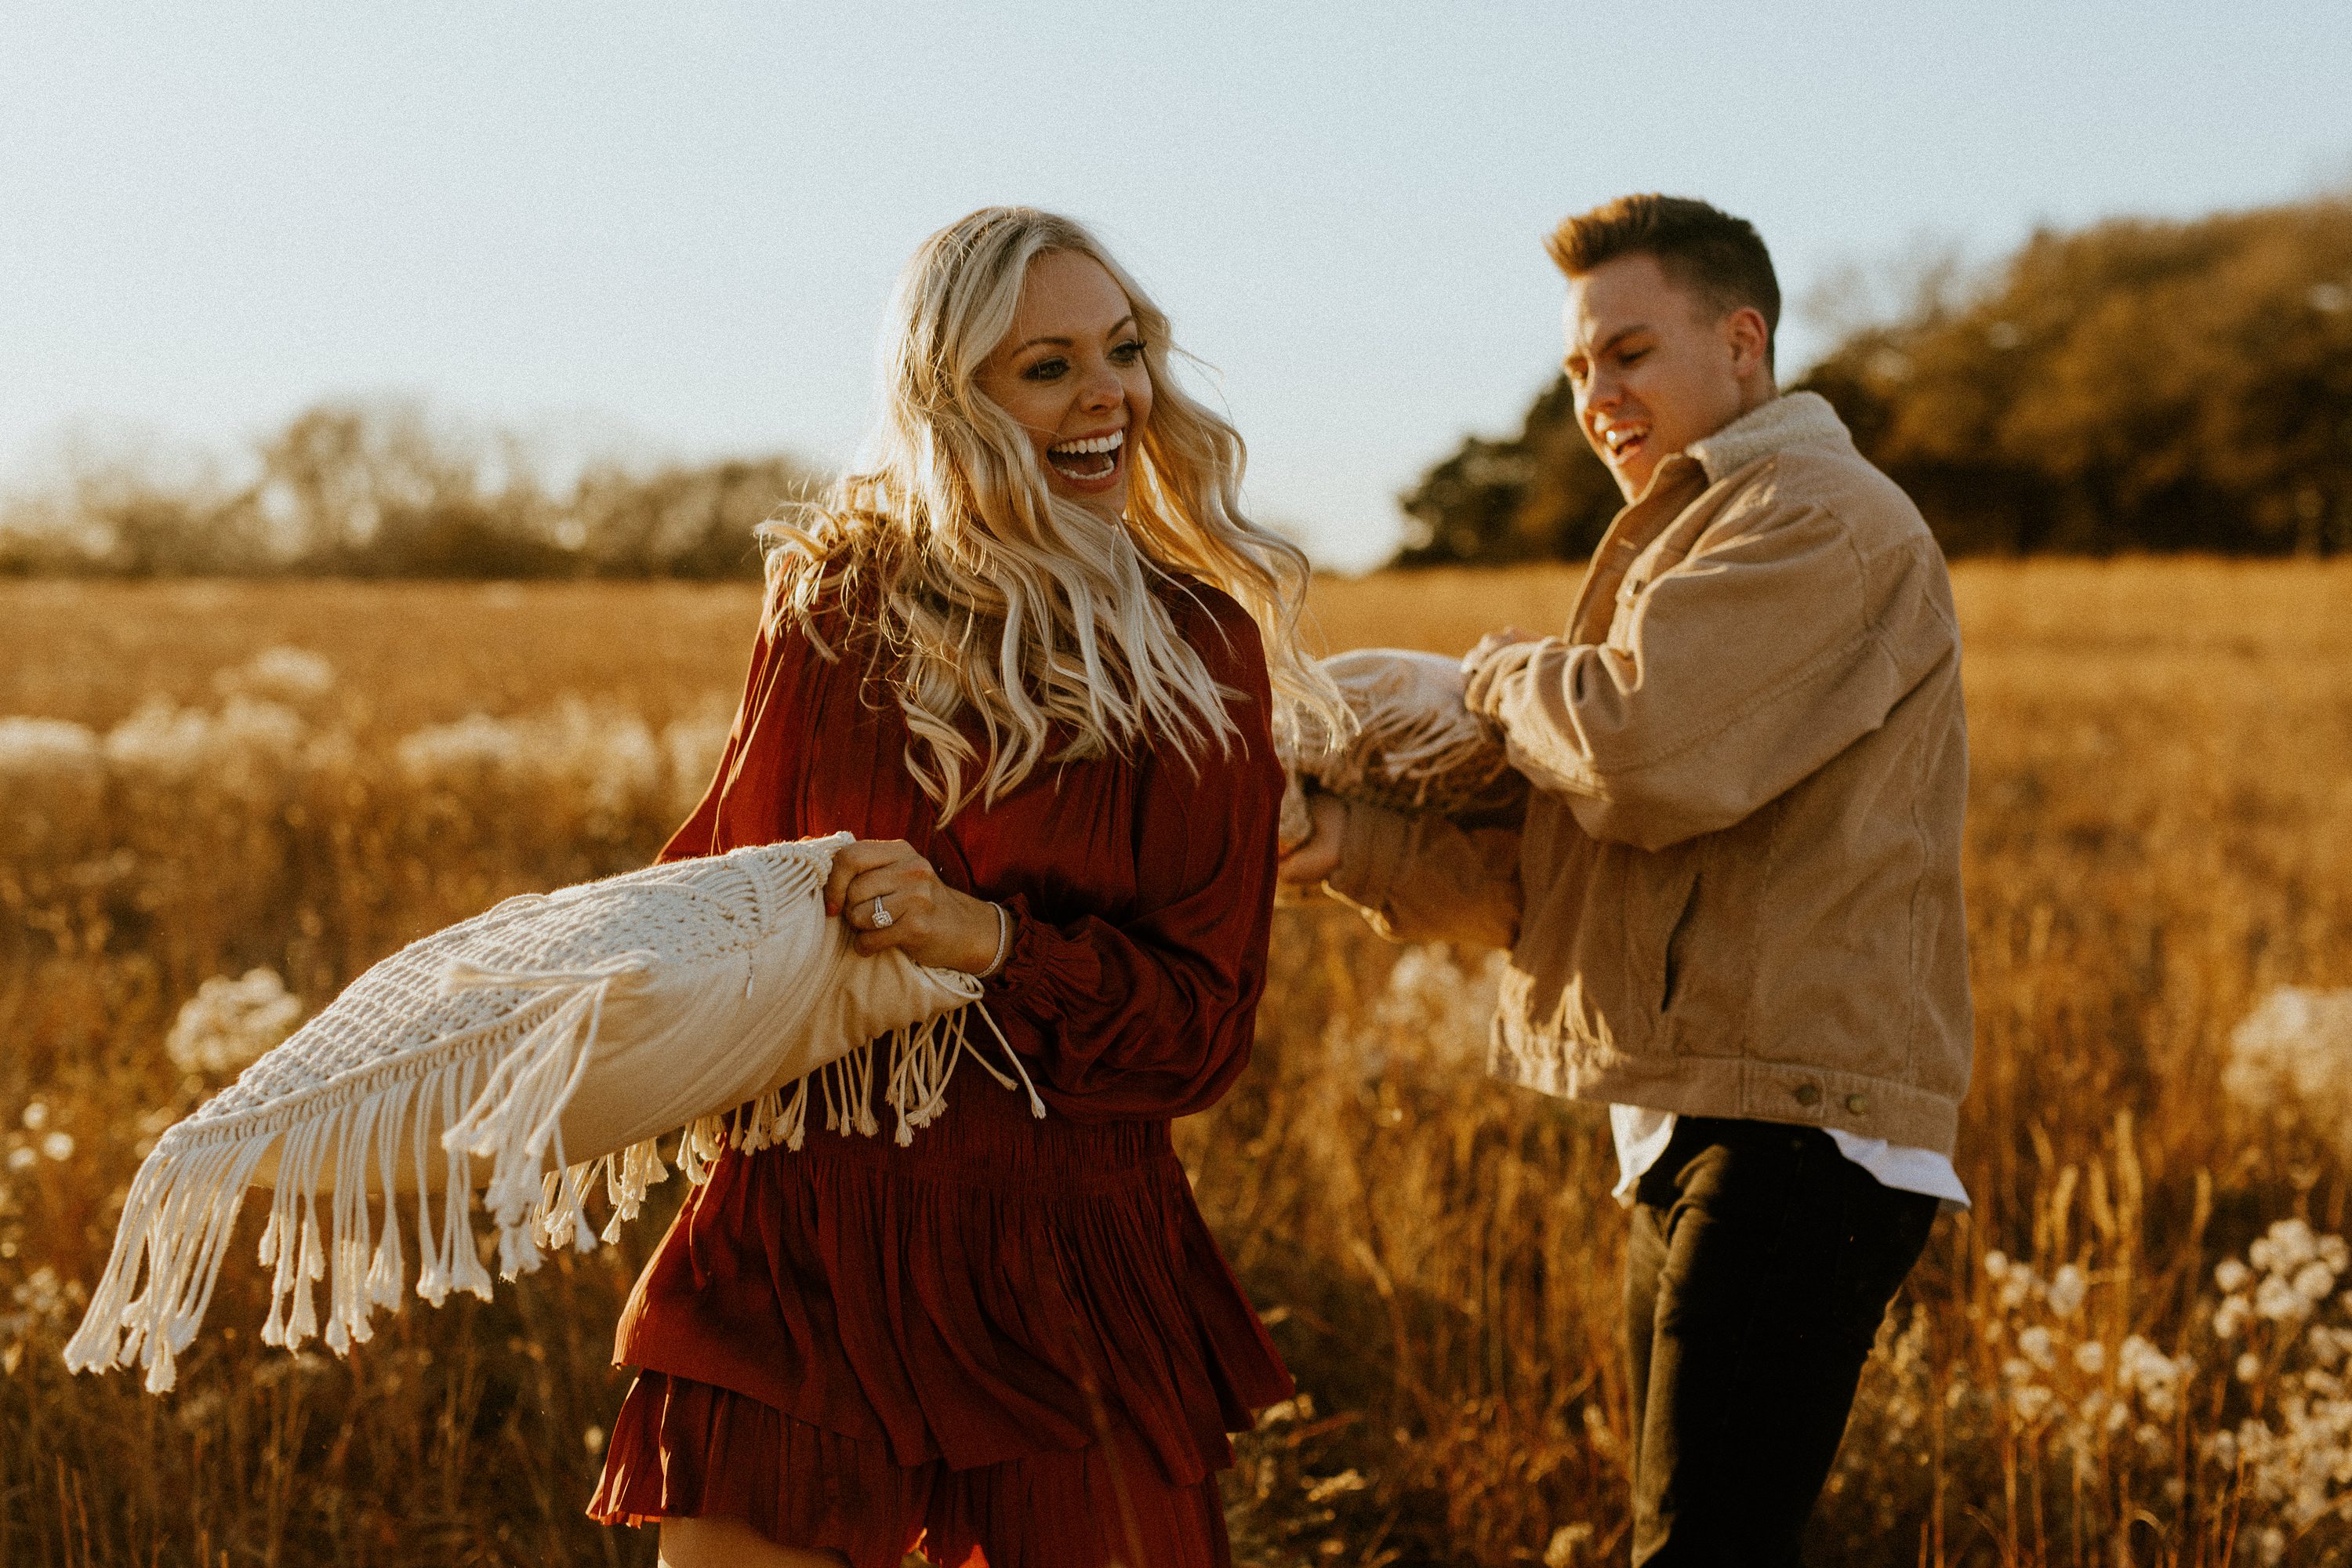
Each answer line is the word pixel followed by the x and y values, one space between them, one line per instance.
pixel 2134 386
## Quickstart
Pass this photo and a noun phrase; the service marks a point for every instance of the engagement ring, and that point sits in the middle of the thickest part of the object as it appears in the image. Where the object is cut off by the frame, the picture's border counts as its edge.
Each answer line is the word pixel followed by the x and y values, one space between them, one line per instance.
pixel 882 917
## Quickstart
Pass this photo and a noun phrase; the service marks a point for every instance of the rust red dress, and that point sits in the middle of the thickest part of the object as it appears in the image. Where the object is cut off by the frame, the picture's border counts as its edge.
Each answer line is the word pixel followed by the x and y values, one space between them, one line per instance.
pixel 1015 1339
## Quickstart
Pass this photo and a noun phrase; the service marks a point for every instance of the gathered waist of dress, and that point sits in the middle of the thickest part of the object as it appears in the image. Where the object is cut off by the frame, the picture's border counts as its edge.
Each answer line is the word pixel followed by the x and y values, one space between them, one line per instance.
pixel 986 1135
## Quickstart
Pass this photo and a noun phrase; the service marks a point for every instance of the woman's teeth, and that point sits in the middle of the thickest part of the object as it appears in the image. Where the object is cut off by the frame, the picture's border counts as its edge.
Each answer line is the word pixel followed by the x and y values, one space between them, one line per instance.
pixel 1092 458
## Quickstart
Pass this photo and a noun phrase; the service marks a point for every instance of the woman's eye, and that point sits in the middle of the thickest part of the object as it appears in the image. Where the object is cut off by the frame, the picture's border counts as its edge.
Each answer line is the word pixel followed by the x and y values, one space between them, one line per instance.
pixel 1046 370
pixel 1127 352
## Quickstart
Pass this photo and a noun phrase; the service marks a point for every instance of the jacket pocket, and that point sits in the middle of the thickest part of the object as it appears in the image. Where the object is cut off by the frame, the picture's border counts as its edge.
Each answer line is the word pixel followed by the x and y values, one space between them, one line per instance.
pixel 1677 940
pixel 1661 890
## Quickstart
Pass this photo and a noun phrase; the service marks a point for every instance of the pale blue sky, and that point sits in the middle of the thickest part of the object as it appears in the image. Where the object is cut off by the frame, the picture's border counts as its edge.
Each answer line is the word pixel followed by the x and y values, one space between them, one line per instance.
pixel 669 229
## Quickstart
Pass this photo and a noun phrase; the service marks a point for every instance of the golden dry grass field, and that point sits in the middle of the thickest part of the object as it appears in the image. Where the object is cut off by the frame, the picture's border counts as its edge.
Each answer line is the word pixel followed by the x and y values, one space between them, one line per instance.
pixel 2134 1350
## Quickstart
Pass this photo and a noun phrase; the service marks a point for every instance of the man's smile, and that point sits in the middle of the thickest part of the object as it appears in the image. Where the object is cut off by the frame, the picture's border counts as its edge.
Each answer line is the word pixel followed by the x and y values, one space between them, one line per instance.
pixel 1624 440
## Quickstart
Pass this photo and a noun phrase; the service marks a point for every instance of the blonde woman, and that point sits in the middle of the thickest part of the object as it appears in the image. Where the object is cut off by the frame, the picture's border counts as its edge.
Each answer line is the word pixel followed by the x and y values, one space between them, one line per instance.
pixel 1032 655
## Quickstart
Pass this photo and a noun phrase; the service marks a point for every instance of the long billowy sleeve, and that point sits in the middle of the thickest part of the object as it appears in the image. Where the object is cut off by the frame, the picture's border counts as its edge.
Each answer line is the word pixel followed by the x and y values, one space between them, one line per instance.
pixel 1417 877
pixel 1743 669
pixel 1151 1014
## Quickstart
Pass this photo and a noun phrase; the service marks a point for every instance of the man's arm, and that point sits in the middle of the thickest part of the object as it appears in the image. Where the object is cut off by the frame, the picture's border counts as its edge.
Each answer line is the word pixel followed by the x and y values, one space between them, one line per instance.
pixel 1744 668
pixel 1415 876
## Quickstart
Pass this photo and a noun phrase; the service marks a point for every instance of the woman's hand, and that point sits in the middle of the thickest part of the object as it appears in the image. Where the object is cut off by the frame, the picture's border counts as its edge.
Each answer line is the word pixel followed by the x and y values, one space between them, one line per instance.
pixel 1316 857
pixel 929 922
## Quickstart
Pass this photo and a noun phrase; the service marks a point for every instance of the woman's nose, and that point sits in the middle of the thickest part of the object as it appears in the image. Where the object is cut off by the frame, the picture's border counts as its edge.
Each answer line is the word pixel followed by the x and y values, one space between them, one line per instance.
pixel 1103 389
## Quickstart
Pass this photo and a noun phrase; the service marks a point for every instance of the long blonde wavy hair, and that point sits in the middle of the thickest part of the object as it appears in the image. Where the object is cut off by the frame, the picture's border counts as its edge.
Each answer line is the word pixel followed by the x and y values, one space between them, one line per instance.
pixel 994 597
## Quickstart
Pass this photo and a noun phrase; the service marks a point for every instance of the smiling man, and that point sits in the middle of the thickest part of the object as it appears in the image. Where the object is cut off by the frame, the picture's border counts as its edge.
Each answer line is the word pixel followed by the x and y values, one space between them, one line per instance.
pixel 1734 907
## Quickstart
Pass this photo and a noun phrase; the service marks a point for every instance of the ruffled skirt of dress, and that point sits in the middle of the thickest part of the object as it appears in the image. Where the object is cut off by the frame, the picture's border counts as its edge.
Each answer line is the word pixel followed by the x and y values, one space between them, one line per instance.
pixel 710 1452
pixel 1002 1288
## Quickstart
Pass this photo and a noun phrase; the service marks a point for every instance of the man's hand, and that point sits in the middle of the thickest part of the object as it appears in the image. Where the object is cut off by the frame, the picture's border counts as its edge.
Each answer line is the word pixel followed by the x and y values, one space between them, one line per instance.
pixel 1478 666
pixel 928 920
pixel 1318 855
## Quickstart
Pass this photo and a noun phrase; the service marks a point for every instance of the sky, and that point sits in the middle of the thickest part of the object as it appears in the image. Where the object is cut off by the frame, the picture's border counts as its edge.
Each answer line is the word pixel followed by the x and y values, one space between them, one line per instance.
pixel 668 231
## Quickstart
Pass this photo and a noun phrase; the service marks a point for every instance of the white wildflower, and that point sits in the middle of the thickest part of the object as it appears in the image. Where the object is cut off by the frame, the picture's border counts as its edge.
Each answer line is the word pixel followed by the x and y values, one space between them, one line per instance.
pixel 2068 1288
pixel 2156 1377
pixel 34 747
pixel 2249 1367
pixel 37 1115
pixel 2276 1299
pixel 246 748
pixel 43 1294
pixel 2313 1280
pixel 162 740
pixel 1996 1264
pixel 2231 1275
pixel 228 1023
pixel 2293 1052
pixel 2035 1343
pixel 2091 1357
pixel 2293 1245
pixel 282 674
pixel 2231 1316
pixel 24 1157
pixel 607 753
pixel 59 1146
pixel 476 743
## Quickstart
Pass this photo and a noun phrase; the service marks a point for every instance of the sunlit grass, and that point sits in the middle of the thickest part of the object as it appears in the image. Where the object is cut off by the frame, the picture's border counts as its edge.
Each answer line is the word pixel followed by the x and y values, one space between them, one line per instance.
pixel 2160 834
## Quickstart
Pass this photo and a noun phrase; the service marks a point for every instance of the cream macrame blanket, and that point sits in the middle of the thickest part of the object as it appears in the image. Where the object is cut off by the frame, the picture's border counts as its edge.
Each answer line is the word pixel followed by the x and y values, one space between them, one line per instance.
pixel 1416 746
pixel 532 1051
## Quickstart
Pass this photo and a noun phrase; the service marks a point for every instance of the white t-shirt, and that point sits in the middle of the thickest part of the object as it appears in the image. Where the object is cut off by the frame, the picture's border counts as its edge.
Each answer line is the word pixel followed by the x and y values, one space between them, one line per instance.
pixel 1642 1134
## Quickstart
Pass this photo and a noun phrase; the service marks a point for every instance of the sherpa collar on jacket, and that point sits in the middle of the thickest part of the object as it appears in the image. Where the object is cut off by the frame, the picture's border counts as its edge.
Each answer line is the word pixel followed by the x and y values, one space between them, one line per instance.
pixel 1792 419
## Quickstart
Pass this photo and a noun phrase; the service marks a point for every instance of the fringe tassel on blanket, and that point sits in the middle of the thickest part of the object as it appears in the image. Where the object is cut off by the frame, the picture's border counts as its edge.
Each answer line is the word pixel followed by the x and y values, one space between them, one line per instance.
pixel 182 1206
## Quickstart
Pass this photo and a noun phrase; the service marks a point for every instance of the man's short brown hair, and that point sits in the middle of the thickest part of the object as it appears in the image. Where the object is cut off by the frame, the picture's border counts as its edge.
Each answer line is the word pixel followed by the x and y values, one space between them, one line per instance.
pixel 1700 245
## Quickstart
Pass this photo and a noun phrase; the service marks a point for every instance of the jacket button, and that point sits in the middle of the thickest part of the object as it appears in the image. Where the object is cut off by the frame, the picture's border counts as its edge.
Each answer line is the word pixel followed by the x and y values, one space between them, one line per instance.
pixel 1857 1103
pixel 1808 1095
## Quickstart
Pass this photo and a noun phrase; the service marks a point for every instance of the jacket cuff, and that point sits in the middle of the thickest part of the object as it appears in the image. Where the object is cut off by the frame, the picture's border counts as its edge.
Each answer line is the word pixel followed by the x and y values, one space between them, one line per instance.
pixel 1483 682
pixel 1373 848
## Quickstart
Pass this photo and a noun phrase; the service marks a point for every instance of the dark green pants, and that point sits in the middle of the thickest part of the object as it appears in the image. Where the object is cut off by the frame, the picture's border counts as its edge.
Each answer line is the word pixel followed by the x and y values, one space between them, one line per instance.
pixel 1761 1263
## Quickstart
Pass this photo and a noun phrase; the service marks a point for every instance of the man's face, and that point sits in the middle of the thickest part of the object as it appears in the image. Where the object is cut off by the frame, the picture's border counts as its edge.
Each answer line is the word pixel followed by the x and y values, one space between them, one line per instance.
pixel 1654 365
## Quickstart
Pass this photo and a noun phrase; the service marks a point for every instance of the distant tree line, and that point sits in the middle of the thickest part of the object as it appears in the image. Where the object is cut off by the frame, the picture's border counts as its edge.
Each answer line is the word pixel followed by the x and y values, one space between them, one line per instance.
pixel 379 490
pixel 2134 386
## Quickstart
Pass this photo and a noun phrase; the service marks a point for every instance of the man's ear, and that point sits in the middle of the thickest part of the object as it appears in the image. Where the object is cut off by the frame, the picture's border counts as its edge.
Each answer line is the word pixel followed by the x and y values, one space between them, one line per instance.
pixel 1749 340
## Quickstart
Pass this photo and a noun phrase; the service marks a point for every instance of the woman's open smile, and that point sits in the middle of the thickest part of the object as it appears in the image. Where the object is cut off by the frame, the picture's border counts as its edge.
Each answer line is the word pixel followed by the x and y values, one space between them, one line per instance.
pixel 1071 371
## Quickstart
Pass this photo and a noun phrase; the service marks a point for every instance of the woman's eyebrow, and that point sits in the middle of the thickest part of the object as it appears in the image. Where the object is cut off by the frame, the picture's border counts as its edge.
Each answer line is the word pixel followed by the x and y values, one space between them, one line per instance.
pixel 1126 321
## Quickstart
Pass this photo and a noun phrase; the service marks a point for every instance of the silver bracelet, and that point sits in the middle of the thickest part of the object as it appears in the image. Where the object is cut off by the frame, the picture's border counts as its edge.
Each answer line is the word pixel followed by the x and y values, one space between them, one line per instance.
pixel 1004 942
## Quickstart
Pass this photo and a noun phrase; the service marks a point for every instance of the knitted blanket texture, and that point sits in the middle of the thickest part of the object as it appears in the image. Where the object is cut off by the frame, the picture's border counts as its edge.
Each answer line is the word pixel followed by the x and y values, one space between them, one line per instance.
pixel 533 1052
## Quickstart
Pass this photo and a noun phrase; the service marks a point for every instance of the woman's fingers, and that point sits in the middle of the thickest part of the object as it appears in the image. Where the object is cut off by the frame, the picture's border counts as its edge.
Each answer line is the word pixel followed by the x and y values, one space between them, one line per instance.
pixel 931 922
pixel 854 860
pixel 903 886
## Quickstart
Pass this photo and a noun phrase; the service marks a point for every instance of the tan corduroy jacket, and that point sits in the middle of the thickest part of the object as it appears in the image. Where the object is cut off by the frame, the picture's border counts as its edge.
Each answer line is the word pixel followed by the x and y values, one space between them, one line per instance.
pixel 1737 889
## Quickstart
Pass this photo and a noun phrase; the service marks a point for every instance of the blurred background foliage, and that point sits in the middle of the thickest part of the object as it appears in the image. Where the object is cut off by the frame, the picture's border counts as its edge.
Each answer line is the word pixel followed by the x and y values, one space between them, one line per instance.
pixel 373 489
pixel 2134 386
